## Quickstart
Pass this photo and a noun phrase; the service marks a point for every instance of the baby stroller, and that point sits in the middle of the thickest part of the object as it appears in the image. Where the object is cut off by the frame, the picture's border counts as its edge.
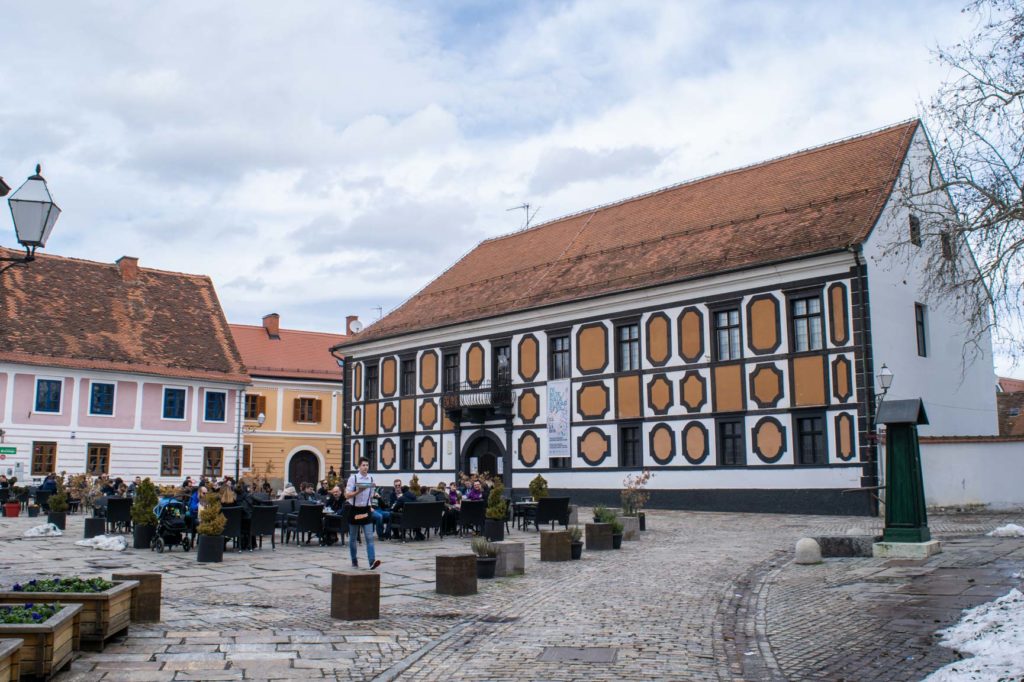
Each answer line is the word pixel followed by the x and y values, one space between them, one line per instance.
pixel 171 528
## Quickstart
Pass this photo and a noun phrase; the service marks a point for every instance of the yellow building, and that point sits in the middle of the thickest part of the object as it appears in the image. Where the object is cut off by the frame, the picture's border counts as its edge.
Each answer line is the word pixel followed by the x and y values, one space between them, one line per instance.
pixel 292 428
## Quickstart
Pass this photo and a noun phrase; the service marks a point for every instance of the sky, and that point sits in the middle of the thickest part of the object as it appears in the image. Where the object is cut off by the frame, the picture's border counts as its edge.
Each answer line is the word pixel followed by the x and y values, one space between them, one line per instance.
pixel 320 159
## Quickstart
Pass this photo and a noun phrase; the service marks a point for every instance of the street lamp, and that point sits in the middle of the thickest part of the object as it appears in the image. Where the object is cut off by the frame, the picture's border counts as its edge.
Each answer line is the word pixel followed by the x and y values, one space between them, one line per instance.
pixel 34 214
pixel 885 376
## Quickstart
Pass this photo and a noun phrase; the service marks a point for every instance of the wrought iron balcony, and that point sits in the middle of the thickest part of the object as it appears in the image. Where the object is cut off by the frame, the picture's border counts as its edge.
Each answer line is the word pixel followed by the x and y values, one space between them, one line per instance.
pixel 478 403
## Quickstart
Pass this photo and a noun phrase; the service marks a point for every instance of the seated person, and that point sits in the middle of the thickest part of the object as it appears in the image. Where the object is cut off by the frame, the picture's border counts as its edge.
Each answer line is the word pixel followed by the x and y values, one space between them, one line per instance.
pixel 476 492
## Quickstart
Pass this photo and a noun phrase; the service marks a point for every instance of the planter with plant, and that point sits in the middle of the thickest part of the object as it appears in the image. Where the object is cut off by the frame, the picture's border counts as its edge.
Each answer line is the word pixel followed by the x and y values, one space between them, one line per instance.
pixel 497 512
pixel 33 510
pixel 49 634
pixel 635 496
pixel 58 504
pixel 106 605
pixel 486 557
pixel 616 533
pixel 414 485
pixel 12 507
pixel 10 659
pixel 538 488
pixel 210 544
pixel 575 542
pixel 143 518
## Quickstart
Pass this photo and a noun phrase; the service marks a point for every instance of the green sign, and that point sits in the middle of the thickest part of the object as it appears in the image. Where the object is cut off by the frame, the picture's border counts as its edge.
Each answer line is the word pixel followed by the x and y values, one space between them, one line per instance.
pixel 8 450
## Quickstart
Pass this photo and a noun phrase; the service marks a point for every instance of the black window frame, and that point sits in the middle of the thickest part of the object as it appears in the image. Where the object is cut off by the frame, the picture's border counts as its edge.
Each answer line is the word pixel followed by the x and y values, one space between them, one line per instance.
pixel 370 452
pixel 627 347
pixel 631 445
pixel 407 454
pixel 921 328
pixel 175 390
pixel 450 374
pixel 371 381
pixel 806 318
pixel 499 376
pixel 560 462
pixel 407 378
pixel 52 403
pixel 731 431
pixel 811 445
pixel 101 405
pixel 559 359
pixel 727 310
pixel 946 244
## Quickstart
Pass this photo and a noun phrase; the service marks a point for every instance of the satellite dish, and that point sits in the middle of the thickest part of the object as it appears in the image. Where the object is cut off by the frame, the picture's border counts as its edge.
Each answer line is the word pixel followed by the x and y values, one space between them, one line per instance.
pixel 355 327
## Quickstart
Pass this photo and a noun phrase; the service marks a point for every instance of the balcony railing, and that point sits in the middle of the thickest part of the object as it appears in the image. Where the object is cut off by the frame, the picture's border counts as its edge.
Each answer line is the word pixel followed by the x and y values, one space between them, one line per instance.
pixel 485 396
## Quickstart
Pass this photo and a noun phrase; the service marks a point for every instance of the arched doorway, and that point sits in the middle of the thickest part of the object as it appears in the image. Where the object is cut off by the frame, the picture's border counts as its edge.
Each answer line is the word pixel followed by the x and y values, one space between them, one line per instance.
pixel 304 467
pixel 485 451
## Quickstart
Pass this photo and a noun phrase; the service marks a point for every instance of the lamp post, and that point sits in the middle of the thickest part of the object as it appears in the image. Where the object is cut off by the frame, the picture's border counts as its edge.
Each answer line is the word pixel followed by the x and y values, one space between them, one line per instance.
pixel 34 213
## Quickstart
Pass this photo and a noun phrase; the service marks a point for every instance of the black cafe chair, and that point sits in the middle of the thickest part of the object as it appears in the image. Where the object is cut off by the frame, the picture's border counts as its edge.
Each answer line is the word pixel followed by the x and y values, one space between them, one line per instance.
pixel 119 514
pixel 264 522
pixel 552 510
pixel 309 520
pixel 471 516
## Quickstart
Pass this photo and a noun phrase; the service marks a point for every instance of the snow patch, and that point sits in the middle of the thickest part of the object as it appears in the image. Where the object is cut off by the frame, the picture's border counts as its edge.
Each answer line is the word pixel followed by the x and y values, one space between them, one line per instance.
pixel 994 634
pixel 111 543
pixel 1010 530
pixel 44 531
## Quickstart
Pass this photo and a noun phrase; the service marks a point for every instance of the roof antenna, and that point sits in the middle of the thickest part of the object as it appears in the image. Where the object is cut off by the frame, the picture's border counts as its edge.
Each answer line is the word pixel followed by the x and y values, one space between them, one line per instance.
pixel 526 208
pixel 380 311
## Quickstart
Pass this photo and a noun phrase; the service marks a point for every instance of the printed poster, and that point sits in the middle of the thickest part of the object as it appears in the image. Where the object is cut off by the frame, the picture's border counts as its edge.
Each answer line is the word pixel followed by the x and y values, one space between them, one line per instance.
pixel 558 417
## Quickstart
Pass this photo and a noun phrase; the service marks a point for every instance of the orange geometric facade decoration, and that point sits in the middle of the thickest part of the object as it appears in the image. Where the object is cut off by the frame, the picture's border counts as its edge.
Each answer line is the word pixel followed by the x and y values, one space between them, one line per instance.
pixel 695 442
pixel 808 380
pixel 529 362
pixel 842 387
pixel 839 327
pixel 728 388
pixel 659 339
pixel 428 452
pixel 357 381
pixel 766 385
pixel 428 414
pixel 659 394
pixel 627 397
pixel 663 443
pixel 693 389
pixel 428 371
pixel 592 348
pixel 387 453
pixel 844 436
pixel 387 417
pixel 529 406
pixel 594 446
pixel 529 448
pixel 769 439
pixel 475 364
pixel 592 401
pixel 691 334
pixel 407 415
pixel 388 377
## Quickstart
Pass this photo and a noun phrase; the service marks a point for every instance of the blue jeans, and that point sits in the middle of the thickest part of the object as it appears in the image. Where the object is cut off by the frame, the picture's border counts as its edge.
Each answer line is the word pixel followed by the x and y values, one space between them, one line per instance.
pixel 367 537
pixel 380 517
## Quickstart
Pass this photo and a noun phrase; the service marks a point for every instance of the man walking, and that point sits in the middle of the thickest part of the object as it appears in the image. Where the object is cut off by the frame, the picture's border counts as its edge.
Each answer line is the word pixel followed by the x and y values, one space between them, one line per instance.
pixel 359 490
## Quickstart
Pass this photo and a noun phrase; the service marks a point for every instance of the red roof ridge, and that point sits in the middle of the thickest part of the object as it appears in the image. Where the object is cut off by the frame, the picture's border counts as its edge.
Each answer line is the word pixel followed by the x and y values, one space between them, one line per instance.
pixel 701 178
pixel 290 331
pixel 52 256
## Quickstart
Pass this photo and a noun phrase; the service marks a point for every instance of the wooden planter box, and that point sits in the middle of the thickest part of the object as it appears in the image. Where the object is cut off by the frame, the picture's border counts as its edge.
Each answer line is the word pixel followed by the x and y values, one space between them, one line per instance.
pixel 10 659
pixel 48 647
pixel 104 614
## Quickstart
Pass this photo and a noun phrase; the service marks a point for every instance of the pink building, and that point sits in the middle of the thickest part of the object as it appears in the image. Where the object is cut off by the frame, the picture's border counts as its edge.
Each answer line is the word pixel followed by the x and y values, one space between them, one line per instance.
pixel 115 368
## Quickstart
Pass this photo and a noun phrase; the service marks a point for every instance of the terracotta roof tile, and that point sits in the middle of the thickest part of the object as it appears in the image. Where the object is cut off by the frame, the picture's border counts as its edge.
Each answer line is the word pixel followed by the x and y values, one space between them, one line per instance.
pixel 810 202
pixel 295 354
pixel 67 312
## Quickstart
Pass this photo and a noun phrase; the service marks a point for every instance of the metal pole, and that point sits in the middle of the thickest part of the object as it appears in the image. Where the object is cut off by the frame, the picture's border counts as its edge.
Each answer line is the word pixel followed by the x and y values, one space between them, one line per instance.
pixel 238 434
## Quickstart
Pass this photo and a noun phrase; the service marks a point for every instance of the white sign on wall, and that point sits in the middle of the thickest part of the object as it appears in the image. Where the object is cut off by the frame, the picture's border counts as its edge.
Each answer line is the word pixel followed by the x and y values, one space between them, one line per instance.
pixel 558 417
pixel 448 457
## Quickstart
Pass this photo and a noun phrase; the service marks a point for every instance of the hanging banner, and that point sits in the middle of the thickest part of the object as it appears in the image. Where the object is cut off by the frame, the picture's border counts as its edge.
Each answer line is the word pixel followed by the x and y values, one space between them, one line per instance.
pixel 559 404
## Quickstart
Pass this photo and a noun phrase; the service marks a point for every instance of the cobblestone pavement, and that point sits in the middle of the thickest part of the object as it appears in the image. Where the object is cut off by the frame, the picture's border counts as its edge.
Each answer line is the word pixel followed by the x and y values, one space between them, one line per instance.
pixel 701 596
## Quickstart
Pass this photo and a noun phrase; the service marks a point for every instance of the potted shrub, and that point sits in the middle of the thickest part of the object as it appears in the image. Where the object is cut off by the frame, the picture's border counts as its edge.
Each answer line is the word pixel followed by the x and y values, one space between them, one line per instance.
pixel 12 507
pixel 210 543
pixel 106 605
pixel 49 633
pixel 486 558
pixel 635 496
pixel 603 514
pixel 616 533
pixel 143 518
pixel 58 504
pixel 538 488
pixel 576 542
pixel 497 512
pixel 33 510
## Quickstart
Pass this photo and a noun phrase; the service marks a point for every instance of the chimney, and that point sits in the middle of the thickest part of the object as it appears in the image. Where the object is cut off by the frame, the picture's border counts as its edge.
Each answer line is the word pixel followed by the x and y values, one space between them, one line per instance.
pixel 348 324
pixel 129 267
pixel 270 323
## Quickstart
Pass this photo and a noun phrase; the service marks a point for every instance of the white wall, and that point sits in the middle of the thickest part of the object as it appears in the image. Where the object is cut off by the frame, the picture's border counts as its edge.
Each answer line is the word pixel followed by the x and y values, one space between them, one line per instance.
pixel 965 473
pixel 960 400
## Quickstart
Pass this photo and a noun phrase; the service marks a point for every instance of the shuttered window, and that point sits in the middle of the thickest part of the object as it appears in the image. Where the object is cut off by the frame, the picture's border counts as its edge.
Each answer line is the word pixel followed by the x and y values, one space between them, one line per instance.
pixel 170 460
pixel 307 410
pixel 255 405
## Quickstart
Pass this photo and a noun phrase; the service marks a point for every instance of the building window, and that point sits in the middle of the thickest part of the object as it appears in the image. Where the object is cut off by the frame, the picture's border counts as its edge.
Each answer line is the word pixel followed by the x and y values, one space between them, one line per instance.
pixel 628 337
pixel 98 461
pixel 371 452
pixel 915 230
pixel 255 405
pixel 808 331
pixel 727 335
pixel 409 377
pixel 947 245
pixel 502 370
pixel 48 395
pixel 170 460
pixel 732 451
pixel 213 462
pixel 44 458
pixel 560 462
pixel 810 439
pixel 307 411
pixel 920 322
pixel 101 399
pixel 371 384
pixel 247 456
pixel 216 404
pixel 405 455
pixel 174 403
pixel 451 371
pixel 560 367
pixel 630 454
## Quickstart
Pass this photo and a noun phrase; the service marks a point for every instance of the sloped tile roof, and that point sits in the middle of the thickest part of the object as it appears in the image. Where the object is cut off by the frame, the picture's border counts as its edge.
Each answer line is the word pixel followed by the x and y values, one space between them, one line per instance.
pixel 67 312
pixel 811 202
pixel 1010 385
pixel 295 354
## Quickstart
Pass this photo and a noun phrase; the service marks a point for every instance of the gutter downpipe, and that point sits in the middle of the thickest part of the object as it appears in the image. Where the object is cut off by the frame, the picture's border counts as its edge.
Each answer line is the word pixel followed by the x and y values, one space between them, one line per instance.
pixel 870 473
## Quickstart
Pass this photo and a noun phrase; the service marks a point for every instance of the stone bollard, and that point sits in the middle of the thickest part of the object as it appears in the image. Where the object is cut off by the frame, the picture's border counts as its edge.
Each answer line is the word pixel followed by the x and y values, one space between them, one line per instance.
pixel 355 595
pixel 455 574
pixel 574 515
pixel 147 596
pixel 807 552
pixel 599 536
pixel 511 558
pixel 555 545
pixel 94 527
pixel 630 527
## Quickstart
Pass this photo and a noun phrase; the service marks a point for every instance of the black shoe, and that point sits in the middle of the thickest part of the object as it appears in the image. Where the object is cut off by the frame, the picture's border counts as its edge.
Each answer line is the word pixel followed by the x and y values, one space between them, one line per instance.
pixel 375 565
pixel 355 564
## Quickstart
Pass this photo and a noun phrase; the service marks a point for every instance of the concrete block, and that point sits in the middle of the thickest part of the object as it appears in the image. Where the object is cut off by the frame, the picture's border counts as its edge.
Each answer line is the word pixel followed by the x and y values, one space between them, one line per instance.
pixel 455 574
pixel 807 552
pixel 555 545
pixel 94 527
pixel 845 545
pixel 355 595
pixel 511 558
pixel 147 597
pixel 906 550
pixel 630 527
pixel 599 536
